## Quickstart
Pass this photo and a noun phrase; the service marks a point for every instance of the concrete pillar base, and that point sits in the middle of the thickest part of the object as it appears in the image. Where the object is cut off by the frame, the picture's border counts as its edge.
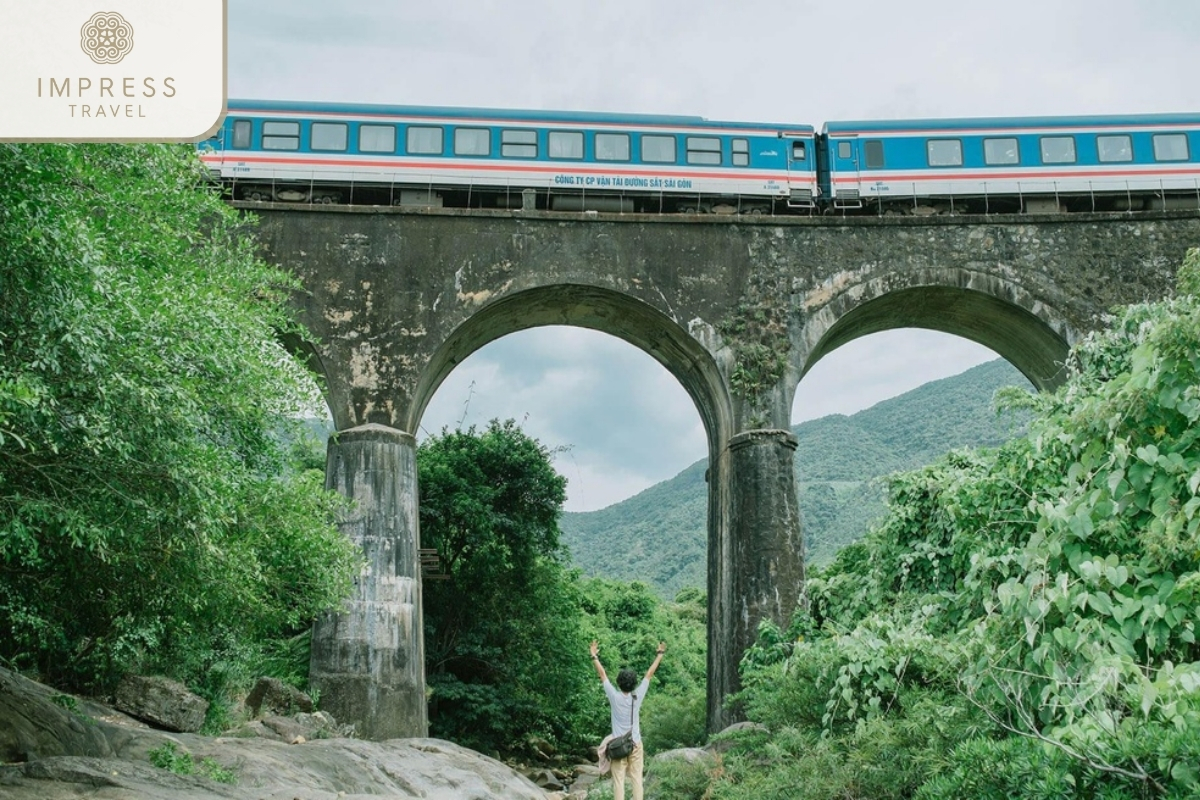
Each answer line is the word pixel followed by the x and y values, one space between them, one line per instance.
pixel 768 546
pixel 368 661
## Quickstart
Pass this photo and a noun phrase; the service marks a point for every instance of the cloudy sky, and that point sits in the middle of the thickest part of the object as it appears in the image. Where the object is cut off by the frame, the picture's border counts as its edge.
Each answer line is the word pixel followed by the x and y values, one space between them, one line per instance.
pixel 626 422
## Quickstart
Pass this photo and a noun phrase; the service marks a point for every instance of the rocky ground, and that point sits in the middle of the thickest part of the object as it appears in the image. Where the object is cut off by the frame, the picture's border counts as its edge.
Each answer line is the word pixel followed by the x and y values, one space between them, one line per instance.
pixel 55 746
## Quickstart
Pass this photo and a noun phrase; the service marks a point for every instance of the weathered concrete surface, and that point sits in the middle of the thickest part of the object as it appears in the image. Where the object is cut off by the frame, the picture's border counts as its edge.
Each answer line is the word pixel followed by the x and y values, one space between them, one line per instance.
pixel 399 298
pixel 369 661
pixel 768 568
pixel 736 309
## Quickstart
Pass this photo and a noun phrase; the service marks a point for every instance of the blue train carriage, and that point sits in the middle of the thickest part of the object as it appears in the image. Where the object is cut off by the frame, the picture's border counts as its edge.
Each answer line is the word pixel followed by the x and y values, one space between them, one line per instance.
pixel 1049 164
pixel 395 155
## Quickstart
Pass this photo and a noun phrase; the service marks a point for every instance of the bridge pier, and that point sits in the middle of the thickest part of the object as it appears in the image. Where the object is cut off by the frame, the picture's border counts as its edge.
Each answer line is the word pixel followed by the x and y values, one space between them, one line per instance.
pixel 768 545
pixel 368 661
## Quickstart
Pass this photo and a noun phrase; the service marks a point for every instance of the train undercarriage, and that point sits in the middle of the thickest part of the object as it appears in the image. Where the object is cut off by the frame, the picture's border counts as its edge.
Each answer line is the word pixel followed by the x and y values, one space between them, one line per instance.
pixel 675 203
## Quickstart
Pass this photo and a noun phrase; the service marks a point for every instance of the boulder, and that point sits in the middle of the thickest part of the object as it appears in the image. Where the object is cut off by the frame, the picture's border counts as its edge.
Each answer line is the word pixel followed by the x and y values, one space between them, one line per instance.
pixel 162 702
pixel 67 749
pixel 688 754
pixel 546 780
pixel 543 749
pixel 37 722
pixel 585 775
pixel 273 696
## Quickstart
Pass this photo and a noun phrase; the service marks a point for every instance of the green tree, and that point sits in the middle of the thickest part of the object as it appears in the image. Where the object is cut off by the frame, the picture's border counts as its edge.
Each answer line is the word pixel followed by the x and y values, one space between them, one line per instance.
pixel 504 644
pixel 147 517
pixel 1023 621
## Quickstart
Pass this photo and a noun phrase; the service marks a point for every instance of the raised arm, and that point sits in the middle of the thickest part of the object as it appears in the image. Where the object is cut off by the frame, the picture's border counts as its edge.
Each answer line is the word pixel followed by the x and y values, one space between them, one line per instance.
pixel 662 648
pixel 595 648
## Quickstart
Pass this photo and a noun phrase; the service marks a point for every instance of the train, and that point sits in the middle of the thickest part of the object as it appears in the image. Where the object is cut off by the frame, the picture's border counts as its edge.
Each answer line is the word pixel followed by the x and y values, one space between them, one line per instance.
pixel 342 153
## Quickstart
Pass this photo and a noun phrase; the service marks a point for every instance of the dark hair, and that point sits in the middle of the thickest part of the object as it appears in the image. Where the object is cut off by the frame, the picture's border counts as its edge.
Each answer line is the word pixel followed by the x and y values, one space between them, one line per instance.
pixel 627 680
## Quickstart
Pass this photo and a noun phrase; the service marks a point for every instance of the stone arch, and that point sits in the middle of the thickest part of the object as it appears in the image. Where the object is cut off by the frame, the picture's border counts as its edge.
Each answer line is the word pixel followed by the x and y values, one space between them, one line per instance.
pixel 1027 331
pixel 604 310
pixel 683 355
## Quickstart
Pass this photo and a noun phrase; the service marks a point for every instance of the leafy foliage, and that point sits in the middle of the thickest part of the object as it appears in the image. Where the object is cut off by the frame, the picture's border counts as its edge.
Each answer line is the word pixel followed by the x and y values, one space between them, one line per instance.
pixel 149 518
pixel 501 629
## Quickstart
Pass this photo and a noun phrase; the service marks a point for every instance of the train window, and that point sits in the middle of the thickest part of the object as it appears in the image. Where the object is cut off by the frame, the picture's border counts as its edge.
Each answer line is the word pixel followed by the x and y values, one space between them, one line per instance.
pixel 329 135
pixel 1170 147
pixel 845 150
pixel 741 152
pixel 1001 151
pixel 518 143
pixel 1114 148
pixel 612 146
pixel 281 136
pixel 472 142
pixel 376 139
pixel 944 152
pixel 241 133
pixel 658 149
pixel 1058 149
pixel 422 140
pixel 565 144
pixel 703 150
pixel 873 153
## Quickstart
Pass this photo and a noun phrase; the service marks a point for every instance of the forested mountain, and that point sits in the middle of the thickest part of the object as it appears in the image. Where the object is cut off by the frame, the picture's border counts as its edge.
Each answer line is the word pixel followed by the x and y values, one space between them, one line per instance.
pixel 659 535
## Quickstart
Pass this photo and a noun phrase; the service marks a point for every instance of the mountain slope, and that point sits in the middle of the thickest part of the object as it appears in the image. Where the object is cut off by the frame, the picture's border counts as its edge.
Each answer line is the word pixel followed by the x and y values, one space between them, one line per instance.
pixel 660 534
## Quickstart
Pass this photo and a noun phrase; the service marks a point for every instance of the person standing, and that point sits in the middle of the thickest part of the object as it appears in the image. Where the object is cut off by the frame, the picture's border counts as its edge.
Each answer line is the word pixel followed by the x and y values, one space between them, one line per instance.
pixel 625 706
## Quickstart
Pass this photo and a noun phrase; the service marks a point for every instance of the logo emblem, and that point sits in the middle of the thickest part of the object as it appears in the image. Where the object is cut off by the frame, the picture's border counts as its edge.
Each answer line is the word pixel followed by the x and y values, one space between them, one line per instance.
pixel 106 37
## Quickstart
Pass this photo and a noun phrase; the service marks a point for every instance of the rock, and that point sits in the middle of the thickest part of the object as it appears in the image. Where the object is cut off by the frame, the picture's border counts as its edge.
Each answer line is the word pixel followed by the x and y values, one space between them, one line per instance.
pixel 547 780
pixel 584 776
pixel 543 748
pixel 162 702
pixel 744 726
pixel 69 757
pixel 254 729
pixel 37 722
pixel 318 725
pixel 688 754
pixel 321 725
pixel 285 729
pixel 71 777
pixel 273 696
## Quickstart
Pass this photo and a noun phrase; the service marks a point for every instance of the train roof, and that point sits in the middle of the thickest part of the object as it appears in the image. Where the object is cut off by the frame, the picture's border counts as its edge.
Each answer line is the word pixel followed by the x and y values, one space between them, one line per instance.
pixel 1011 123
pixel 498 114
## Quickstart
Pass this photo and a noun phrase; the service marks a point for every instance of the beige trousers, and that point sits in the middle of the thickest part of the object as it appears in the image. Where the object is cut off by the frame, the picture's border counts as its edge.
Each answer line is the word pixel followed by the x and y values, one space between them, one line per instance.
pixel 632 766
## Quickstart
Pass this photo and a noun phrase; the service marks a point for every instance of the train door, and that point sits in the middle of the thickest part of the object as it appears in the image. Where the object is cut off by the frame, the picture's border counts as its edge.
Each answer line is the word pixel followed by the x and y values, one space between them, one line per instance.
pixel 802 176
pixel 844 171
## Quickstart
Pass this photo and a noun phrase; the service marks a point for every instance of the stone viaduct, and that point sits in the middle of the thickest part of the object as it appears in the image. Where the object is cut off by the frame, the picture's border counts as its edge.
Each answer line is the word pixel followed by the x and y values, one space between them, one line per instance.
pixel 736 308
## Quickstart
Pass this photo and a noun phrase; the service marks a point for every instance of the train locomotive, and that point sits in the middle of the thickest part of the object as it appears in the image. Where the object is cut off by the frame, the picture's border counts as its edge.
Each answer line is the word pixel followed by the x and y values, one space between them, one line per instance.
pixel 576 161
